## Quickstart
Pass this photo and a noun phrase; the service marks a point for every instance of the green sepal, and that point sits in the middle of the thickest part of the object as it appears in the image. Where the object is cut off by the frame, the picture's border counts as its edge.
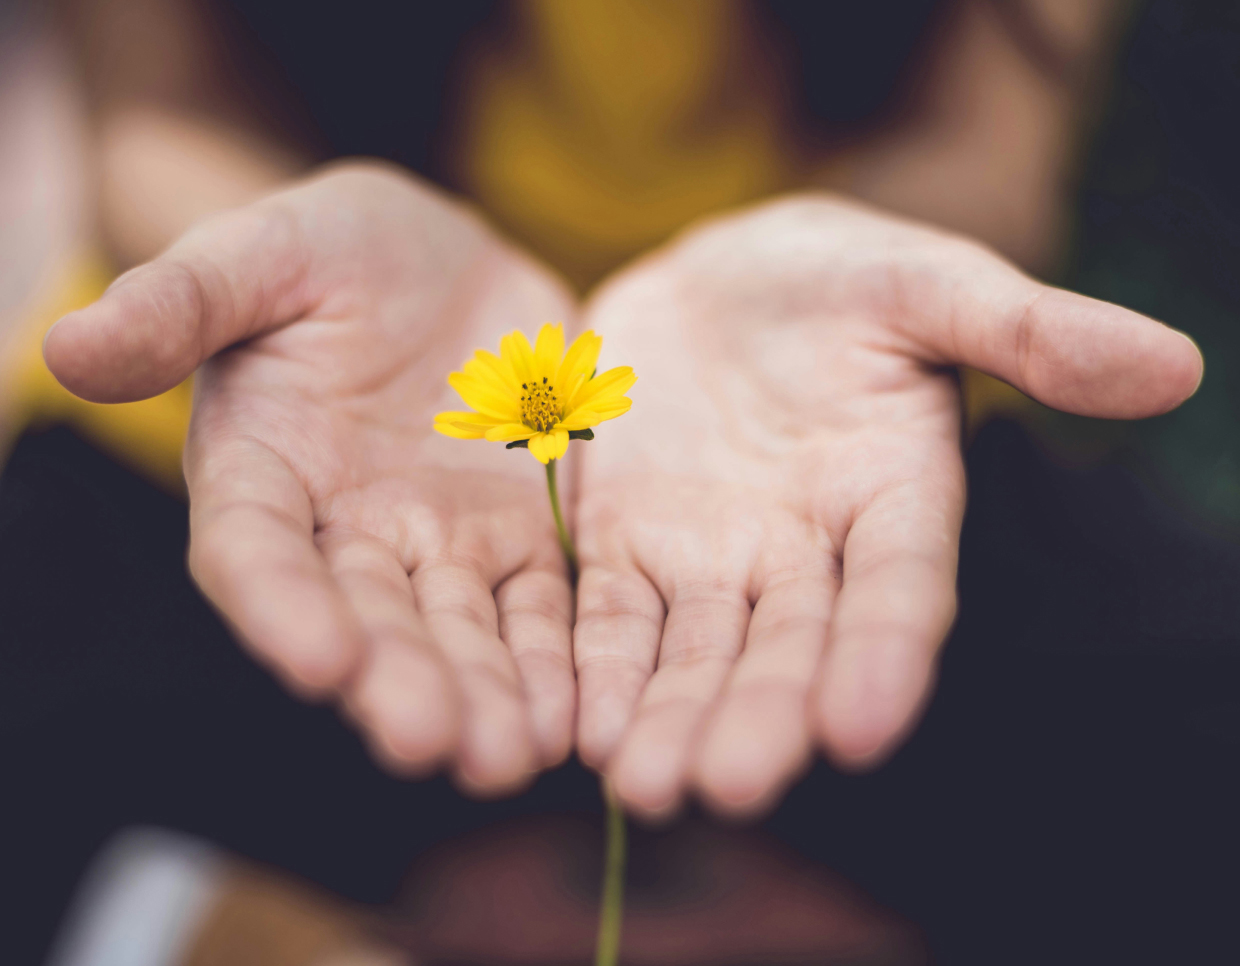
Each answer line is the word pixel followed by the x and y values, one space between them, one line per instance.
pixel 572 434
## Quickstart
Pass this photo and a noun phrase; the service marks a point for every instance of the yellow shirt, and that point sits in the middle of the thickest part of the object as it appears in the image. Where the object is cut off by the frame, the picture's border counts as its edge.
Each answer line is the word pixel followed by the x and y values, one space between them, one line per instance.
pixel 147 435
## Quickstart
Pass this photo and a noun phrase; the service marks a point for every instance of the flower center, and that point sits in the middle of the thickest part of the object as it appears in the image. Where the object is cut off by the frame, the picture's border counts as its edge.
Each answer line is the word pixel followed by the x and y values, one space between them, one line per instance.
pixel 540 406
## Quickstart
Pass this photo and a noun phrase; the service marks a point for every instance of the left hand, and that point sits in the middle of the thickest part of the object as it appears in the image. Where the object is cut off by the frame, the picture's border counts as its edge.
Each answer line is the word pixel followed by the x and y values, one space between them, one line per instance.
pixel 769 539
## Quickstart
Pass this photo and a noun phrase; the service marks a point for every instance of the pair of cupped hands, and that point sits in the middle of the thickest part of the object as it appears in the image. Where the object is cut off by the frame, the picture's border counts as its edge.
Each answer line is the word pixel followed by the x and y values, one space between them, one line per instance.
pixel 768 540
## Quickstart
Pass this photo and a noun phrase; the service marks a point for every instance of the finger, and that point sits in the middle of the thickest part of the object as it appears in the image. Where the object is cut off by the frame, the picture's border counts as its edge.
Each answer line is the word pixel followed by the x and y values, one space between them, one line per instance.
pixel 535 621
pixel 758 738
pixel 968 306
pixel 232 277
pixel 895 607
pixel 703 634
pixel 615 647
pixel 497 752
pixel 252 552
pixel 404 693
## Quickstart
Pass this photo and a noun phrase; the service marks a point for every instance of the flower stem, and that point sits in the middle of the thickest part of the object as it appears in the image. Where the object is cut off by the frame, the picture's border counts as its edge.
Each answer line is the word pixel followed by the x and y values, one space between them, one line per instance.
pixel 566 542
pixel 611 910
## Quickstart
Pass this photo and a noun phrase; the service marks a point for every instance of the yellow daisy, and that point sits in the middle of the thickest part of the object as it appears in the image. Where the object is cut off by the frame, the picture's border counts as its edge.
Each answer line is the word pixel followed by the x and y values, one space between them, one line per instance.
pixel 538 397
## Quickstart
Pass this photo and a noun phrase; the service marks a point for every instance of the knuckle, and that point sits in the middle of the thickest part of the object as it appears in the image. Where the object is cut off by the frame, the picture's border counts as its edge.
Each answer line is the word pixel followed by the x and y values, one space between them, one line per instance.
pixel 610 597
pixel 535 609
pixel 698 653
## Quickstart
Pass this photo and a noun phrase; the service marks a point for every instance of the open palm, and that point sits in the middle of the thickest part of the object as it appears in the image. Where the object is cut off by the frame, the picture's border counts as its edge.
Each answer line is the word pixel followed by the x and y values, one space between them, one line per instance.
pixel 363 556
pixel 769 539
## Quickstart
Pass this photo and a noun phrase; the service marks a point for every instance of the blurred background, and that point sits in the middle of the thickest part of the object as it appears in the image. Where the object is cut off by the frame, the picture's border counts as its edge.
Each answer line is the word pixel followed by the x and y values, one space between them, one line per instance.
pixel 1072 793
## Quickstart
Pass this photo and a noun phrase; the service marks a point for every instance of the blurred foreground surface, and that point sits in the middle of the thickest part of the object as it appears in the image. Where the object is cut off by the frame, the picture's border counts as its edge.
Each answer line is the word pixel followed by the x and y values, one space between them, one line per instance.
pixel 523 891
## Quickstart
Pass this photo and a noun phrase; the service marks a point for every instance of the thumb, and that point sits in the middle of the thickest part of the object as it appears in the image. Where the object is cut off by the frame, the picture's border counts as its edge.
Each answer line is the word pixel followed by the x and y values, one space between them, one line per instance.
pixel 1068 351
pixel 233 277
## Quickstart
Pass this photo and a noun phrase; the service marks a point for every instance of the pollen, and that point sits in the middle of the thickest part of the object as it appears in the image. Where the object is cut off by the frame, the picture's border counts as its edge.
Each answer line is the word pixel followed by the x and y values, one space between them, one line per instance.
pixel 540 406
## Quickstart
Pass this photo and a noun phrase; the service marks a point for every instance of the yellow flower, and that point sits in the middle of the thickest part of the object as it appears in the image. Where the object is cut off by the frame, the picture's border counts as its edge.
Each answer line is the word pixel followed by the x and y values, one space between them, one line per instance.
pixel 537 396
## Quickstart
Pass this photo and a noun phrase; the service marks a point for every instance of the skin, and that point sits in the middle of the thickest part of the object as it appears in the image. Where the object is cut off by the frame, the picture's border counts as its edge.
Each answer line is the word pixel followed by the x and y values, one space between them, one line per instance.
pixel 769 569
pixel 768 539
pixel 415 579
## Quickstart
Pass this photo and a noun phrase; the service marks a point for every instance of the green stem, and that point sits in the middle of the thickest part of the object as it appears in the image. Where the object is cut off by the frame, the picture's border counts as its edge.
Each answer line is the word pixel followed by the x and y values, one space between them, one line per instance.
pixel 566 542
pixel 611 910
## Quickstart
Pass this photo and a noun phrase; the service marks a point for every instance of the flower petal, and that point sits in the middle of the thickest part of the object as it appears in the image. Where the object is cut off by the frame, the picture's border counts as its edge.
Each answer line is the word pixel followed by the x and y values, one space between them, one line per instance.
pixel 467 416
pixel 456 432
pixel 515 349
pixel 462 425
pixel 501 367
pixel 507 432
pixel 541 445
pixel 548 351
pixel 487 376
pixel 573 386
pixel 605 409
pixel 613 382
pixel 580 360
pixel 558 443
pixel 580 419
pixel 485 399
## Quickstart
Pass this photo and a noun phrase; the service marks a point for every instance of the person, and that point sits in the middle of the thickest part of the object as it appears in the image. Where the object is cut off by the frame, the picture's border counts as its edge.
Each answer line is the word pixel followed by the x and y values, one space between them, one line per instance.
pixel 1069 792
pixel 768 541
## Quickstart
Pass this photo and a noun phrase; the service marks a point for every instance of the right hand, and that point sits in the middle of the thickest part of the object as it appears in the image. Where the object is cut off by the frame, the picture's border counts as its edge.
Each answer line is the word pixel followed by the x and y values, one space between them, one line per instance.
pixel 416 578
pixel 769 540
